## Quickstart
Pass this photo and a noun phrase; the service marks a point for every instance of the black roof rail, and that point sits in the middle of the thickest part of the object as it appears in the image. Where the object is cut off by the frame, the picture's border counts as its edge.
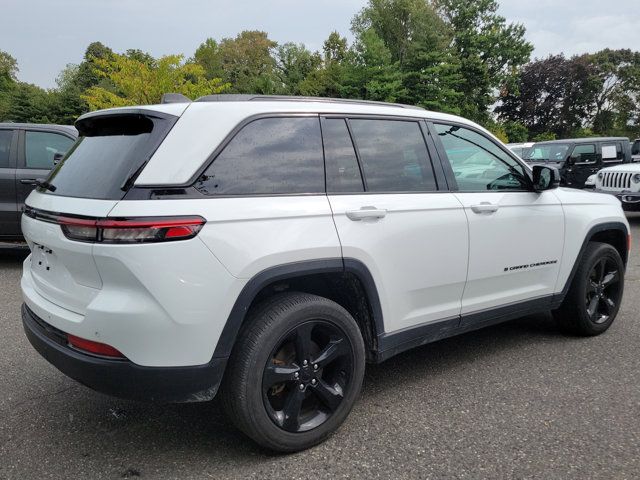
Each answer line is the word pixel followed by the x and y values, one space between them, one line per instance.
pixel 291 98
pixel 174 98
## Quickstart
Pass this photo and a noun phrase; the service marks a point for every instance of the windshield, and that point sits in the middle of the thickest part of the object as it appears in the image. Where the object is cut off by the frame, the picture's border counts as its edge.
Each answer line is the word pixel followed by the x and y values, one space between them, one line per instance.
pixel 554 152
pixel 110 152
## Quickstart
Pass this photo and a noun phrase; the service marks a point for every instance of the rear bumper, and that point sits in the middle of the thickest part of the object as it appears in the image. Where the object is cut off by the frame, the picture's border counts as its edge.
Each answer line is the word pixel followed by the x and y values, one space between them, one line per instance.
pixel 122 378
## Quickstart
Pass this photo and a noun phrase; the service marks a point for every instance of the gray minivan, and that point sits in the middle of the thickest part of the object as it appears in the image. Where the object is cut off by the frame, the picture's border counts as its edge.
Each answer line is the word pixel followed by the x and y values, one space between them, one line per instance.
pixel 579 158
pixel 27 154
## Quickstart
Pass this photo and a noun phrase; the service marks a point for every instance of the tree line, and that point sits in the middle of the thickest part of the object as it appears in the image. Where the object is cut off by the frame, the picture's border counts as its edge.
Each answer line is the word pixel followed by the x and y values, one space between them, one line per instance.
pixel 454 56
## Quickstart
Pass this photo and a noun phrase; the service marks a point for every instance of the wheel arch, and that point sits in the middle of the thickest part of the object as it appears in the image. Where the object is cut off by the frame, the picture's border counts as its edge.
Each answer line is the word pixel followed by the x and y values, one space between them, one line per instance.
pixel 613 233
pixel 348 282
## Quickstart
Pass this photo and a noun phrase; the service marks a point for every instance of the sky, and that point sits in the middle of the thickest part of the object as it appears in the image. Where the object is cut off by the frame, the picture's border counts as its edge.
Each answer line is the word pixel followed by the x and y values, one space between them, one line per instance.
pixel 46 35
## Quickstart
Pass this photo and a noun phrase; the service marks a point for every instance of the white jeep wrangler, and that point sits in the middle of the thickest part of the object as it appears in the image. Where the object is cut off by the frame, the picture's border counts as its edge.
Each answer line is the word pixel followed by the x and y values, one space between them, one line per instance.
pixel 269 247
pixel 622 181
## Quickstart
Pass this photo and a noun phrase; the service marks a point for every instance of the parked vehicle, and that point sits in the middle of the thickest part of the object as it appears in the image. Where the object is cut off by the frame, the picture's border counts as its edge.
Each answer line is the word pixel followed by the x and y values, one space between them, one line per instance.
pixel 27 154
pixel 622 181
pixel 635 150
pixel 269 247
pixel 579 158
pixel 520 149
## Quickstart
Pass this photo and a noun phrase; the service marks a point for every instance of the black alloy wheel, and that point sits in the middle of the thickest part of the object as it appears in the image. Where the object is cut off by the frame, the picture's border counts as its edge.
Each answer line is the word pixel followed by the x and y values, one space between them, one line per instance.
pixel 307 376
pixel 603 290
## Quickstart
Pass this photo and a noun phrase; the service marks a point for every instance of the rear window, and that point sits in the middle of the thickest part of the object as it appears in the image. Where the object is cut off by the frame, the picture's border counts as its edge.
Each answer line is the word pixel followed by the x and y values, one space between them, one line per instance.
pixel 110 152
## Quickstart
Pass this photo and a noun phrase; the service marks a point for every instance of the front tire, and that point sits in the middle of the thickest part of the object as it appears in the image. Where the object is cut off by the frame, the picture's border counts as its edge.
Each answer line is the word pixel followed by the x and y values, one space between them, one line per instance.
pixel 593 300
pixel 295 373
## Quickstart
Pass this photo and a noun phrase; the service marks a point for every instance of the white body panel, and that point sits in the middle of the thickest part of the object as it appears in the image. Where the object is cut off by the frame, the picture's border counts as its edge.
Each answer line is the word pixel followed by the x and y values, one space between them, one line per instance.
pixel 526 228
pixel 417 253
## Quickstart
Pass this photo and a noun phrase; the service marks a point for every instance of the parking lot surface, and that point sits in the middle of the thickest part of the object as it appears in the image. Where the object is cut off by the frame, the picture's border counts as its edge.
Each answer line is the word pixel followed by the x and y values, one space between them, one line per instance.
pixel 519 400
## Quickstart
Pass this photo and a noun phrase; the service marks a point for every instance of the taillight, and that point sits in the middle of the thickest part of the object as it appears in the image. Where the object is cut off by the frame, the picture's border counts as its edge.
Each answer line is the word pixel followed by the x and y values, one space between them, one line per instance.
pixel 93 347
pixel 131 230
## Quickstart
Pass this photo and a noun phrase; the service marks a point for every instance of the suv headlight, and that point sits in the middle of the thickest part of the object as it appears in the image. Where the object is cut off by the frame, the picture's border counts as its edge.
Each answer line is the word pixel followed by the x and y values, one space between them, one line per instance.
pixel 600 175
pixel 636 178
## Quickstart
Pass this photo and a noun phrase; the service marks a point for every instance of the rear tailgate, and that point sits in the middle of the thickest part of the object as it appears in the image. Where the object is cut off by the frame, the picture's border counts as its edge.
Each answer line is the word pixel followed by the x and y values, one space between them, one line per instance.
pixel 60 270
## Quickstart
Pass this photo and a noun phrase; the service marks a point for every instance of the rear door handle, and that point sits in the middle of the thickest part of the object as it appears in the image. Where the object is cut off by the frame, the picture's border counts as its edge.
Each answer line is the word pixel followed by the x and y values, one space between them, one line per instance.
pixel 366 213
pixel 29 181
pixel 485 207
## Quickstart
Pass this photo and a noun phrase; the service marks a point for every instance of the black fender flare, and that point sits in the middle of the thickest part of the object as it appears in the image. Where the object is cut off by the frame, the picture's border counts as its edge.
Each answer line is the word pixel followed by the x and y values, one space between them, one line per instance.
pixel 288 271
pixel 602 227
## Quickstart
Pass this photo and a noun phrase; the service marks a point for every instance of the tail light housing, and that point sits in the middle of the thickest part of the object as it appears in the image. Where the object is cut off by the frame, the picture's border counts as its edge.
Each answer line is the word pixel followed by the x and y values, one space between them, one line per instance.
pixel 123 230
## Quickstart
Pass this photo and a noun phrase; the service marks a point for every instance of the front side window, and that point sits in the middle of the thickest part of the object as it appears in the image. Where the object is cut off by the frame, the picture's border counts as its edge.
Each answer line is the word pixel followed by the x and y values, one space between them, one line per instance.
pixel 584 153
pixel 5 147
pixel 40 147
pixel 269 156
pixel 479 164
pixel 393 155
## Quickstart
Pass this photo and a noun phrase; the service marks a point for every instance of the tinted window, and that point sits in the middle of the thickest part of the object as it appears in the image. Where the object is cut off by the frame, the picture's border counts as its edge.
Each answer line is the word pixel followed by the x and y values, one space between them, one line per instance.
pixel 479 164
pixel 269 156
pixel 111 150
pixel 343 173
pixel 584 153
pixel 5 147
pixel 393 155
pixel 40 147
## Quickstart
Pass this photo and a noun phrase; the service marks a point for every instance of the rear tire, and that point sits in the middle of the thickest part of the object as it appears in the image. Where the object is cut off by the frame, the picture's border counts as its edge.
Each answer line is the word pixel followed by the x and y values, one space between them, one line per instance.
pixel 593 300
pixel 295 372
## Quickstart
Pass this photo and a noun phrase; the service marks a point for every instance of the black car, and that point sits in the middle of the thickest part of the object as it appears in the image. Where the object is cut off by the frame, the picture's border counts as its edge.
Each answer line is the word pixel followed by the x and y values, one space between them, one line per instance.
pixel 27 154
pixel 579 158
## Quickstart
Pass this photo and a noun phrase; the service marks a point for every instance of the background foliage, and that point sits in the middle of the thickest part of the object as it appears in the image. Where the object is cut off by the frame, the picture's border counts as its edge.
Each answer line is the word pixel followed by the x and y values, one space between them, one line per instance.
pixel 456 56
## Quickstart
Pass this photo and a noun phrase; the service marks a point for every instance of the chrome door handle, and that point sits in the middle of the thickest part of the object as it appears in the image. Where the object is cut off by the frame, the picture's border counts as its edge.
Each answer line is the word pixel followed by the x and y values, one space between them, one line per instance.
pixel 29 181
pixel 366 213
pixel 485 207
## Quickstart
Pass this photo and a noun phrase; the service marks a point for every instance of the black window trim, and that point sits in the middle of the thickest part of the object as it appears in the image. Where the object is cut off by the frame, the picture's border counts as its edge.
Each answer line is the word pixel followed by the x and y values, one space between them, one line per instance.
pixel 446 165
pixel 13 148
pixel 363 181
pixel 21 157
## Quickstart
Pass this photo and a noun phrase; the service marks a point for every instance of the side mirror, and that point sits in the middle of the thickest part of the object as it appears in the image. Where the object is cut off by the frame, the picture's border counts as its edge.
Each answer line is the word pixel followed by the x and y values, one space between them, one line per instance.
pixel 545 178
pixel 570 161
pixel 57 157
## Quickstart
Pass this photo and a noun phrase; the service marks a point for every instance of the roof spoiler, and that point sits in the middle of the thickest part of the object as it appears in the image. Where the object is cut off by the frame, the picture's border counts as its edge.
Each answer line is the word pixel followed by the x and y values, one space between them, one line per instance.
pixel 174 98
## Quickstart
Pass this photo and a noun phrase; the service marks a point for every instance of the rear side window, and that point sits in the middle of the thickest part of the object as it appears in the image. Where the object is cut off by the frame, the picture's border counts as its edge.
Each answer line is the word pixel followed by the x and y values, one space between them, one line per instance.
pixel 5 147
pixel 40 147
pixel 111 151
pixel 612 152
pixel 343 173
pixel 269 156
pixel 393 155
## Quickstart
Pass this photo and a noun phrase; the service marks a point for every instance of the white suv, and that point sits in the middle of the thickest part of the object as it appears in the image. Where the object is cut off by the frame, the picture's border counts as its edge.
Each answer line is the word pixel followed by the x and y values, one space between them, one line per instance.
pixel 269 247
pixel 622 181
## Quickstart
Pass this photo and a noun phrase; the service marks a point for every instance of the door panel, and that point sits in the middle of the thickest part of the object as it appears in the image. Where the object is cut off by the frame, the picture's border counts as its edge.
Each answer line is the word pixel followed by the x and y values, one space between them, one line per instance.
pixel 416 252
pixel 515 247
pixel 9 225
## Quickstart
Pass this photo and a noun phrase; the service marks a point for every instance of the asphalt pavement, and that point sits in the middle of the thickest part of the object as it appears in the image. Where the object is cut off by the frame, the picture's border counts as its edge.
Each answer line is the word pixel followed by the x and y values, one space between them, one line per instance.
pixel 515 401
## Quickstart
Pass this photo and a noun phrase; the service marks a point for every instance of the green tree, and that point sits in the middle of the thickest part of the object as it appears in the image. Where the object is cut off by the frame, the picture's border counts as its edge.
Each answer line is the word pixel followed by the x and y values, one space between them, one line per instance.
pixel 8 79
pixel 138 83
pixel 490 51
pixel 329 79
pixel 294 63
pixel 247 63
pixel 208 56
pixel 516 132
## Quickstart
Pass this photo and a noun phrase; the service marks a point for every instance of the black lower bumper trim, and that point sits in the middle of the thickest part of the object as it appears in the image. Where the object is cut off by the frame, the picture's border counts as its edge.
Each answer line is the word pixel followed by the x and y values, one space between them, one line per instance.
pixel 122 378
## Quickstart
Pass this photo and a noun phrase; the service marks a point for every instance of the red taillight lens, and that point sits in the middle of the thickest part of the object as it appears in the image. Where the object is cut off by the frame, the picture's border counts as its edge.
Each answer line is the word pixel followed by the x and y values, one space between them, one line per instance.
pixel 131 230
pixel 93 347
